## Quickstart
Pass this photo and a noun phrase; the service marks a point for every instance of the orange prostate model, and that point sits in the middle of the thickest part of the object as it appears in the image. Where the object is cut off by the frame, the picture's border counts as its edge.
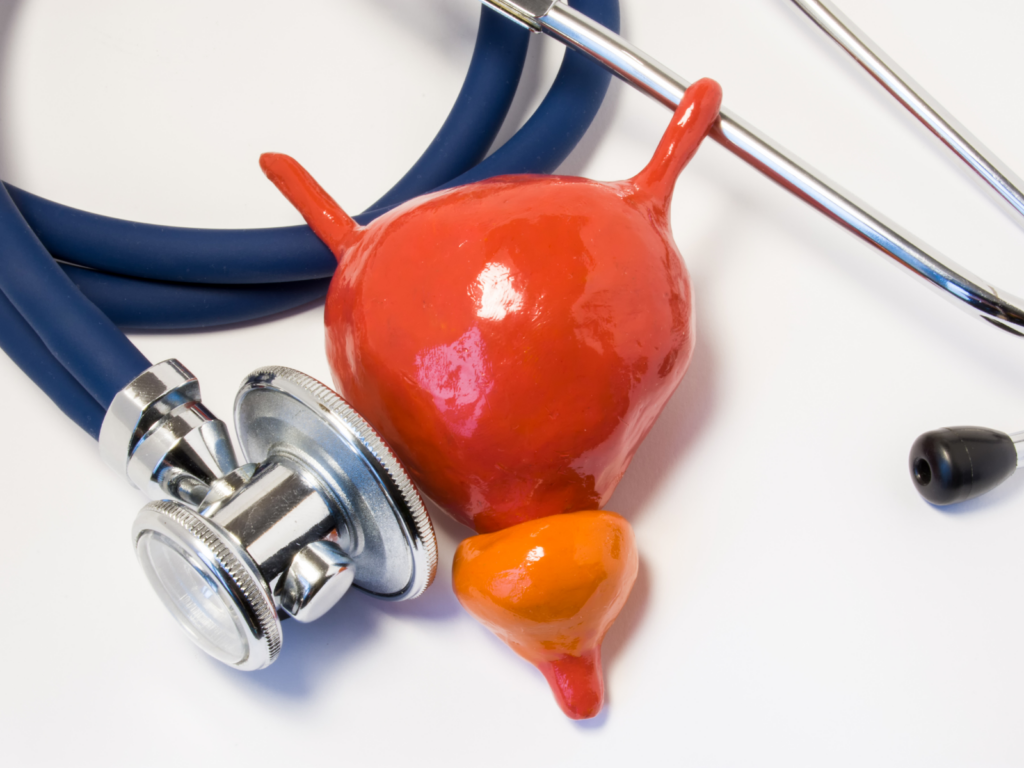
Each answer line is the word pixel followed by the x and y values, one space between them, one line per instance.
pixel 514 339
pixel 550 589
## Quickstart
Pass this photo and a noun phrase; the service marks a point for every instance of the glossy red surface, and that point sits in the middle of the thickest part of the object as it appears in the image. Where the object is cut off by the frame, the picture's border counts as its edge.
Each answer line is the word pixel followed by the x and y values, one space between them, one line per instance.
pixel 550 589
pixel 515 339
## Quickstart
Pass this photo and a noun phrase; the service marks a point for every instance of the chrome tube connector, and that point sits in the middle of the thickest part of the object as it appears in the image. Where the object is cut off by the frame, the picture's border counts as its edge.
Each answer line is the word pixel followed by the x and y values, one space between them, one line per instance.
pixel 526 13
pixel 159 436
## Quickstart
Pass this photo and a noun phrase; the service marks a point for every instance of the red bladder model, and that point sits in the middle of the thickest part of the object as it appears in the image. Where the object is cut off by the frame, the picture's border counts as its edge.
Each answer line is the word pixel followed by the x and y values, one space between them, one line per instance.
pixel 514 341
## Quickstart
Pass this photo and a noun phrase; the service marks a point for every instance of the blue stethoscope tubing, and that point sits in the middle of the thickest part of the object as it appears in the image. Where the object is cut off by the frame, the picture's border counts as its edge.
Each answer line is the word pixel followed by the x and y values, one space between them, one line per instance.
pixel 59 322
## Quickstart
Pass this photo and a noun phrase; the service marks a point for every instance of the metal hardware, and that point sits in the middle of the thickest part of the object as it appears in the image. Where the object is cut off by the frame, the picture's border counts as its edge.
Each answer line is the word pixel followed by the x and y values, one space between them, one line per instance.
pixel 209 583
pixel 277 513
pixel 161 438
pixel 280 412
pixel 924 107
pixel 321 505
pixel 524 12
pixel 319 574
pixel 224 487
pixel 150 396
pixel 645 74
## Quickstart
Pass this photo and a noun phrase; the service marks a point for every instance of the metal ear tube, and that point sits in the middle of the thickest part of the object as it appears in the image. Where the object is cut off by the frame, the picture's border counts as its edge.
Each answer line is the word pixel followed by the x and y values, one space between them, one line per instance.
pixel 940 273
pixel 947 465
pixel 320 505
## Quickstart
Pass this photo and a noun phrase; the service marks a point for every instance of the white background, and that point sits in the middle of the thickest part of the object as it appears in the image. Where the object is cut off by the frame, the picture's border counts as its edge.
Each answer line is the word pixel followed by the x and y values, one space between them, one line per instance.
pixel 797 603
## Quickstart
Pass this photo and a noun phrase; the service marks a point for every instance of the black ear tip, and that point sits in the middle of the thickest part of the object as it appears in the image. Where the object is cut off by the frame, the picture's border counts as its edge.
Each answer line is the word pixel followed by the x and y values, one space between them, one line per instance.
pixel 958 463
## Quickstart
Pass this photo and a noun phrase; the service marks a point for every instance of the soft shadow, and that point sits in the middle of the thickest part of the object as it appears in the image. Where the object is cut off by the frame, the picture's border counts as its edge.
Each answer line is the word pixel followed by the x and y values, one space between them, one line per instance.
pixel 580 157
pixel 447 528
pixel 228 326
pixel 439 20
pixel 529 83
pixel 629 620
pixel 599 129
pixel 671 437
pixel 310 649
pixel 669 441
pixel 332 641
pixel 595 722
pixel 8 17
pixel 687 411
pixel 438 603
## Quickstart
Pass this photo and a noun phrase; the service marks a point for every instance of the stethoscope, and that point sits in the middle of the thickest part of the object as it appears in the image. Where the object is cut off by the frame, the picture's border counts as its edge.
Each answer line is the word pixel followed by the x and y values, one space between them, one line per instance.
pixel 311 501
pixel 316 502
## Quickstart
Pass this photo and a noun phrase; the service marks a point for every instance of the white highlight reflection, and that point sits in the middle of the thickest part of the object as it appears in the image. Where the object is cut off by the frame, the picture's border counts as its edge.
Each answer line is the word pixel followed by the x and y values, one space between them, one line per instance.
pixel 494 294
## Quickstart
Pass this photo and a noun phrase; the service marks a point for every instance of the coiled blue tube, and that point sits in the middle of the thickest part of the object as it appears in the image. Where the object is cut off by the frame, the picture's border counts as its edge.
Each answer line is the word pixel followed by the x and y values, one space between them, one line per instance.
pixel 478 114
pixel 185 255
pixel 175 254
pixel 81 338
pixel 157 305
pixel 558 124
pixel 492 82
pixel 539 146
pixel 544 142
pixel 29 353
pixel 282 254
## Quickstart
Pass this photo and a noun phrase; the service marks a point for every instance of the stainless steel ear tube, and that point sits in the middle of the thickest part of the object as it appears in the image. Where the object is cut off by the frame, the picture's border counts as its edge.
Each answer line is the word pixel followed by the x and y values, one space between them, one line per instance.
pixel 917 101
pixel 322 504
pixel 645 74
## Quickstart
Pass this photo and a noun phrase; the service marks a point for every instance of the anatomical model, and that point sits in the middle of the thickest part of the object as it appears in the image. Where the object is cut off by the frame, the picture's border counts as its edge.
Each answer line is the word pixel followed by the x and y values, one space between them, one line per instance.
pixel 514 341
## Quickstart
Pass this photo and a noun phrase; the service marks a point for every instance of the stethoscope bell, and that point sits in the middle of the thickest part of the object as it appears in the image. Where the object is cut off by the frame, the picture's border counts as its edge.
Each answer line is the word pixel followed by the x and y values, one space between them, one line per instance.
pixel 321 505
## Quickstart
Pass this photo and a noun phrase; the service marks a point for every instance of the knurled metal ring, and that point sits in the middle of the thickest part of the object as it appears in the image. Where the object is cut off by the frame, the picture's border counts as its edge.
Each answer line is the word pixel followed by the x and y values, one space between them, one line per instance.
pixel 281 409
pixel 218 557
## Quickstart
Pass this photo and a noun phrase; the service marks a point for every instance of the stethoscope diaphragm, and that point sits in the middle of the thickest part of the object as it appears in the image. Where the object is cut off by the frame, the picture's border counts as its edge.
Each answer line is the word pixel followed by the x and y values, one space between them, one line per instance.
pixel 322 504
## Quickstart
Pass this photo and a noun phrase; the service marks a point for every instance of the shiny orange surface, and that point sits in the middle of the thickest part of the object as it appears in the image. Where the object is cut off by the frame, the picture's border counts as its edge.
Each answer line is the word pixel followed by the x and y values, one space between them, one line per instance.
pixel 550 589
pixel 515 339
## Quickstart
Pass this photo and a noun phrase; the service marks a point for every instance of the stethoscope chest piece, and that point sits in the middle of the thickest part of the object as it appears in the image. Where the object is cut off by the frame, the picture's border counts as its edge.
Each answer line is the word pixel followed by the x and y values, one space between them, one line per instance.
pixel 285 417
pixel 321 505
